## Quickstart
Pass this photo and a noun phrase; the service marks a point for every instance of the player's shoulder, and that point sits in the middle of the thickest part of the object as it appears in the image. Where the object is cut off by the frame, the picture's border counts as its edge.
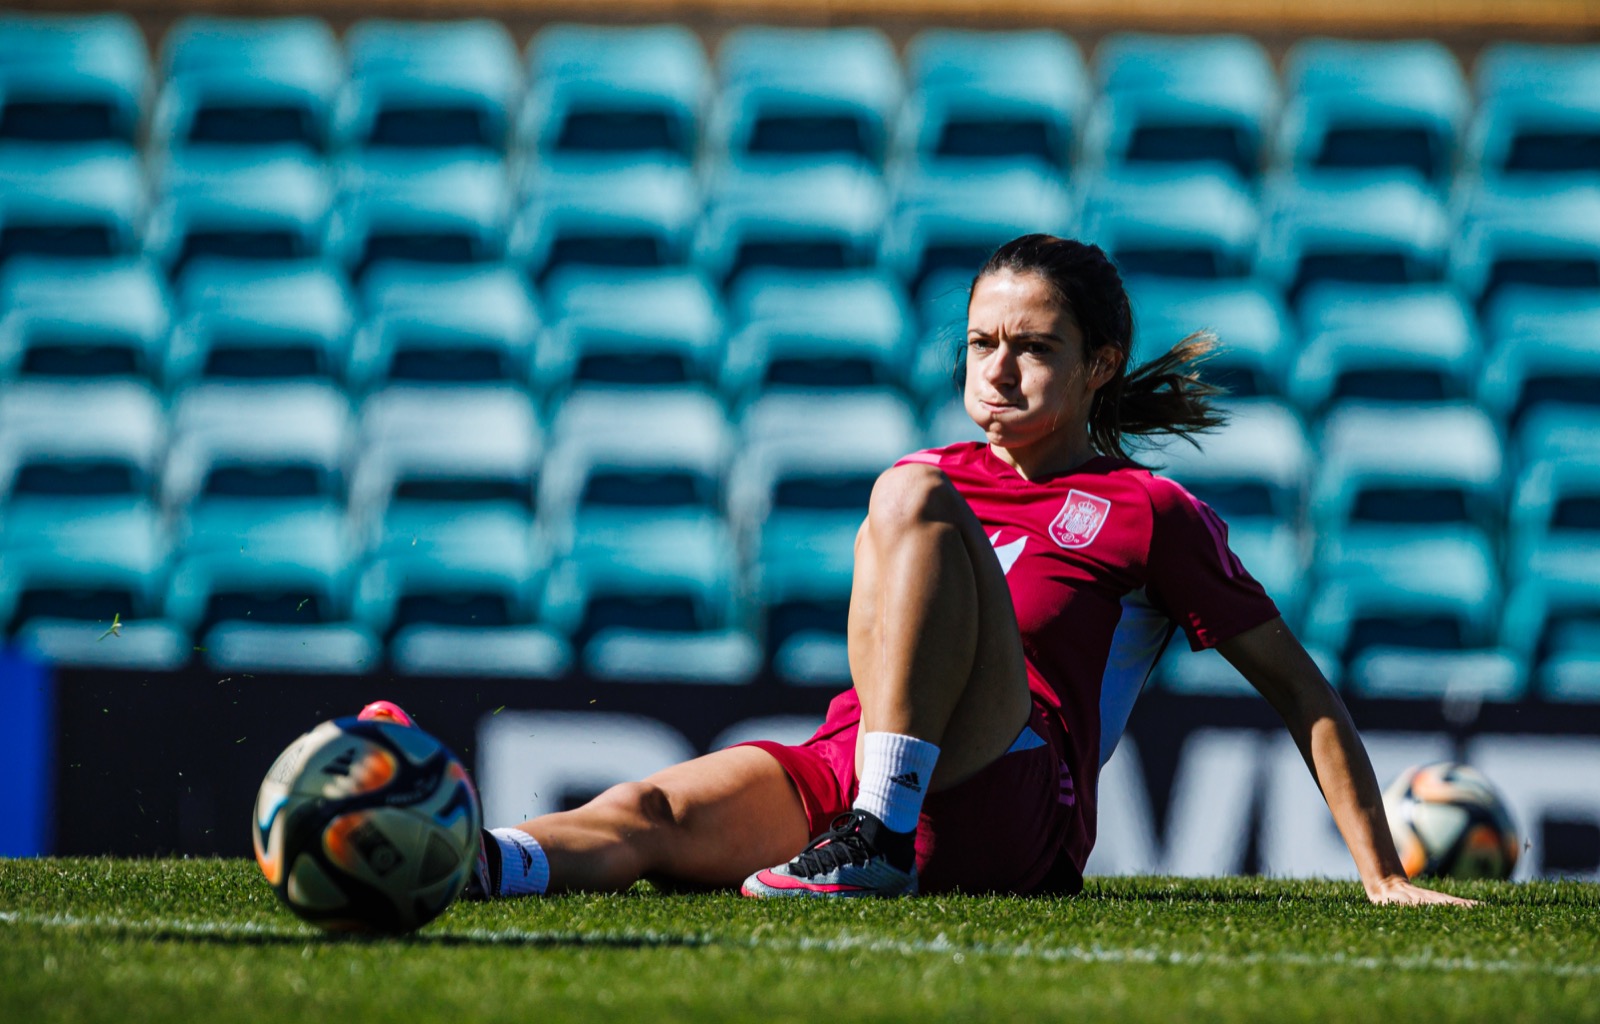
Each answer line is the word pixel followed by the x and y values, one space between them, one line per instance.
pixel 1165 495
pixel 963 453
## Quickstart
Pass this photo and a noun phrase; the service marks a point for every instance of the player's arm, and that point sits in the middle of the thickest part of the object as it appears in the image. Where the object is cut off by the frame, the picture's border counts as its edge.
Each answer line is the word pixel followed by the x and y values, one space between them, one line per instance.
pixel 1273 661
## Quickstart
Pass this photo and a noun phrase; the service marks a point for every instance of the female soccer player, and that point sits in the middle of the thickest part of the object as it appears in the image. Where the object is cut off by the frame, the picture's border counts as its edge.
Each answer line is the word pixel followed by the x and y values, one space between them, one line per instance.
pixel 1008 601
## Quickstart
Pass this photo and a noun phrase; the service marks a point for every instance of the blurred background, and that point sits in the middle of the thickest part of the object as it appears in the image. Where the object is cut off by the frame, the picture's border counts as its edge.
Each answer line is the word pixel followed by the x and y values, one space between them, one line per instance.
pixel 535 372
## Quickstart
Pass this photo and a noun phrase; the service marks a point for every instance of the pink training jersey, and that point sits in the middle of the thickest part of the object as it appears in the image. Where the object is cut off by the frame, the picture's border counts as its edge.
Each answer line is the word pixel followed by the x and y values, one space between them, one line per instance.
pixel 1103 563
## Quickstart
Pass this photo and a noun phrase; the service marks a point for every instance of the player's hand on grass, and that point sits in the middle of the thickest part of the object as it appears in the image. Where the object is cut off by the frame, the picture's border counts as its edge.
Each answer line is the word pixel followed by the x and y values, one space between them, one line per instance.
pixel 1399 891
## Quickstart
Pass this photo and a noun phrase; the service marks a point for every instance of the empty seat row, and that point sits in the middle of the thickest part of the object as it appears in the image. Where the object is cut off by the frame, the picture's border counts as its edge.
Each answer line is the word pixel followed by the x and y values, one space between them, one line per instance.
pixel 959 95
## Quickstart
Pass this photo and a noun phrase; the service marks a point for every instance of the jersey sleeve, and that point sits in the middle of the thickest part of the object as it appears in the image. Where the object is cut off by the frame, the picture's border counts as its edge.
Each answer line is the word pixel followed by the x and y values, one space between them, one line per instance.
pixel 1195 578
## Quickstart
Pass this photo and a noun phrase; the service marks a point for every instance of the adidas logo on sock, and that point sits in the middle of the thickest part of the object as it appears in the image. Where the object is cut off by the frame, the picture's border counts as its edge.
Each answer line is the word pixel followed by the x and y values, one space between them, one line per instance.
pixel 908 780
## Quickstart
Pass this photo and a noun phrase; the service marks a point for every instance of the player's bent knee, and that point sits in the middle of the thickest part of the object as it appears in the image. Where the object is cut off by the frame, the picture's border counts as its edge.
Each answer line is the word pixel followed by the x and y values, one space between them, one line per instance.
pixel 911 495
pixel 645 804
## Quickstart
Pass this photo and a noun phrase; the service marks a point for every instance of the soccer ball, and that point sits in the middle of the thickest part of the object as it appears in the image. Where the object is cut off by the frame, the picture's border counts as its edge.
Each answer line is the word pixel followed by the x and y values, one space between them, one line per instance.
pixel 367 826
pixel 1448 821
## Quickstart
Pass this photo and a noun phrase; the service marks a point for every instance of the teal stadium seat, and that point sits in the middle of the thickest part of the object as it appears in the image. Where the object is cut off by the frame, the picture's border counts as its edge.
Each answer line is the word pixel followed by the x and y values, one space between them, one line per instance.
pixel 80 202
pixel 941 343
pixel 615 456
pixel 1555 520
pixel 948 218
pixel 815 332
pixel 1527 231
pixel 805 95
pixel 1192 99
pixel 615 90
pixel 993 97
pixel 239 205
pixel 600 212
pixel 72 79
pixel 449 325
pixel 249 320
pixel 1544 352
pixel 1395 106
pixel 65 318
pixel 247 83
pixel 1178 222
pixel 1255 473
pixel 449 207
pixel 1388 231
pixel 630 328
pixel 818 216
pixel 436 85
pixel 1256 338
pixel 1384 343
pixel 1538 110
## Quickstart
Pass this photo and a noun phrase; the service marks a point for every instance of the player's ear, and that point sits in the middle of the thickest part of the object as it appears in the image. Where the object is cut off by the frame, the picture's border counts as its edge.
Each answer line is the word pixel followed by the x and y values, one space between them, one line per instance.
pixel 1104 364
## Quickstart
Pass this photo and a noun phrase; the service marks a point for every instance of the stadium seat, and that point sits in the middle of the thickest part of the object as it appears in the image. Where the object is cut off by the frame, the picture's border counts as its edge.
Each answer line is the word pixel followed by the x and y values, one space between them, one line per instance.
pixel 605 213
pixel 615 90
pixel 941 344
pixel 1543 354
pixel 619 328
pixel 1538 112
pixel 328 648
pixel 259 459
pixel 1421 467
pixel 480 570
pixel 1182 99
pixel 617 456
pixel 1555 520
pixel 656 573
pixel 65 318
pixel 1555 431
pixel 1255 338
pixel 70 202
pixel 424 208
pixel 247 82
pixel 807 217
pixel 217 202
pixel 1377 343
pixel 831 422
pixel 1404 588
pixel 1352 229
pixel 91 566
pixel 248 320
pixel 1558 617
pixel 1171 222
pixel 1207 673
pixel 1254 472
pixel 1370 106
pixel 431 454
pixel 805 93
pixel 69 449
pixel 948 219
pixel 72 78
pixel 815 332
pixel 445 325
pixel 993 96
pixel 1528 232
pixel 727 657
pixel 429 85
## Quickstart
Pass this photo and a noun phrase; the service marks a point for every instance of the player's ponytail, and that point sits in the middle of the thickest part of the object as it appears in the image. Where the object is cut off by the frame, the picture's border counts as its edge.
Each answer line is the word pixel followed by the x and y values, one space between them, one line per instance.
pixel 1162 396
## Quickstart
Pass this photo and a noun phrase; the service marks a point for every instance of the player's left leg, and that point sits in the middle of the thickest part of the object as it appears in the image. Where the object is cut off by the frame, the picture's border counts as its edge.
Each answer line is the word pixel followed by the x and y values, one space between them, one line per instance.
pixel 937 662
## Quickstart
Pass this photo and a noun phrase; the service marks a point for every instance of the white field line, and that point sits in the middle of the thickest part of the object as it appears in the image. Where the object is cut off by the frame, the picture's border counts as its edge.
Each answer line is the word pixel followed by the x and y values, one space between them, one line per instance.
pixel 940 946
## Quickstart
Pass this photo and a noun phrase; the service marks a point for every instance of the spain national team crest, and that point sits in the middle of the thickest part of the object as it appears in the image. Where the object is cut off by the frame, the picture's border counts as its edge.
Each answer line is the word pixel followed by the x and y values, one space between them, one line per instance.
pixel 1080 519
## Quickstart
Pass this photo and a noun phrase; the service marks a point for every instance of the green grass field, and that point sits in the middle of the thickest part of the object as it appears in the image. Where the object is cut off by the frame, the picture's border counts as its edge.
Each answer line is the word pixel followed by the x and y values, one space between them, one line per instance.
pixel 127 941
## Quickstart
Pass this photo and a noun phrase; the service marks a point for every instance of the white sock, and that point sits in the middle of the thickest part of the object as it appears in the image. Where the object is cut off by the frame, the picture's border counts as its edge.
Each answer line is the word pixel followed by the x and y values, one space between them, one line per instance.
pixel 895 777
pixel 524 869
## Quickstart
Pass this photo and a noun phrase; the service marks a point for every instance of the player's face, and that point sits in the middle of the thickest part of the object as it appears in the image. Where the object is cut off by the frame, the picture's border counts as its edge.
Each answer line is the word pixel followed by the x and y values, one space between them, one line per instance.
pixel 1029 386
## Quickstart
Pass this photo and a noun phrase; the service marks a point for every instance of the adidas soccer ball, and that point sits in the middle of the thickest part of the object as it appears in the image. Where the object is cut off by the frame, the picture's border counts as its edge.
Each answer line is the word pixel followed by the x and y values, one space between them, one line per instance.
pixel 1448 821
pixel 367 826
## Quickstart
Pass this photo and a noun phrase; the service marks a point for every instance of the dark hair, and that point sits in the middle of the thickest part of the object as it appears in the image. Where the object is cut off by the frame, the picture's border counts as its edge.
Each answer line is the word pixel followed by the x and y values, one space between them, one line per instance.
pixel 1162 396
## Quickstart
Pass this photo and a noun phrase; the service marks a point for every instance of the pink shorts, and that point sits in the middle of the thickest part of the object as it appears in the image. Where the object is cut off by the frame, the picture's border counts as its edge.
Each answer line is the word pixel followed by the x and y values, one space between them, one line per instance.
pixel 1003 830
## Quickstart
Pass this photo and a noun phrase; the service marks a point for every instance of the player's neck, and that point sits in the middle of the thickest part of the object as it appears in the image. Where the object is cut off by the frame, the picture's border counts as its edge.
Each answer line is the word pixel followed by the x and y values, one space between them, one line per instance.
pixel 1057 454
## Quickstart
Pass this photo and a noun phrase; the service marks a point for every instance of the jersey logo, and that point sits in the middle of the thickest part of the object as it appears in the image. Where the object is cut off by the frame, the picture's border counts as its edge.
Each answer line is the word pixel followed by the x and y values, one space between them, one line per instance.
pixel 1008 553
pixel 1079 521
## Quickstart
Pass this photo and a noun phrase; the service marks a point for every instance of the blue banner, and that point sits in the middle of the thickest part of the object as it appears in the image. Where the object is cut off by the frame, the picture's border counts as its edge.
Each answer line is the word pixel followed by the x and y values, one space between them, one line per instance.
pixel 27 756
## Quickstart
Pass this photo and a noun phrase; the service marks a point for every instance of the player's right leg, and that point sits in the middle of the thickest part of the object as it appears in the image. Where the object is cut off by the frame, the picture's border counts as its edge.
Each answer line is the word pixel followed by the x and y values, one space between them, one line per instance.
pixel 710 821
